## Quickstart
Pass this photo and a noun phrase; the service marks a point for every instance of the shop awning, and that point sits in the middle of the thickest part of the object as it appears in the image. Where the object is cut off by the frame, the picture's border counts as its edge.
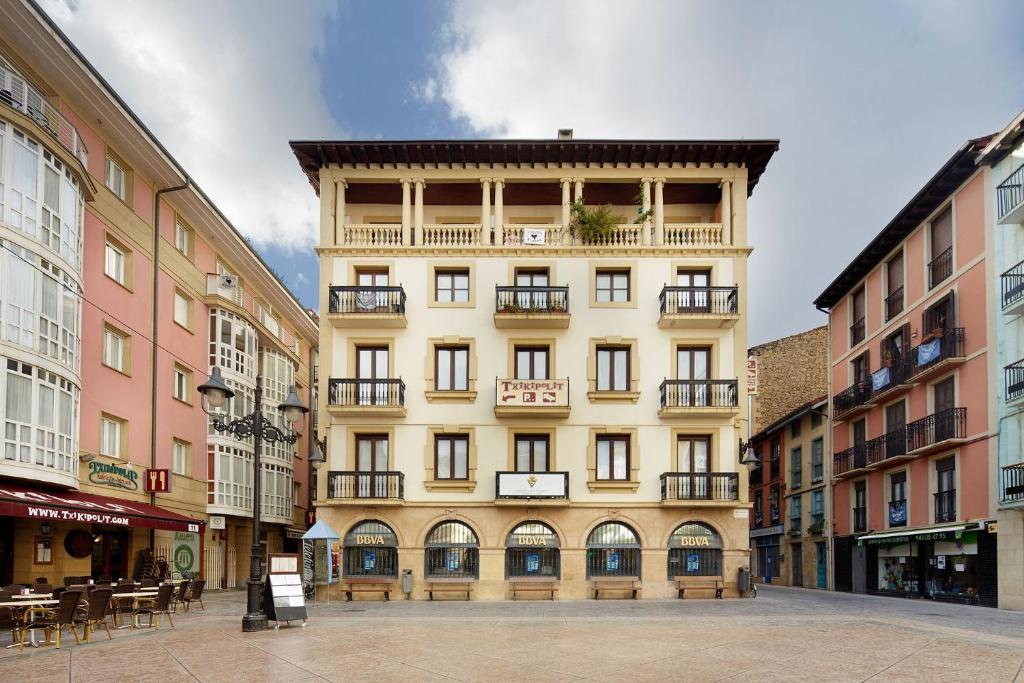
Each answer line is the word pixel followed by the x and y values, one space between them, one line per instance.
pixel 907 535
pixel 75 506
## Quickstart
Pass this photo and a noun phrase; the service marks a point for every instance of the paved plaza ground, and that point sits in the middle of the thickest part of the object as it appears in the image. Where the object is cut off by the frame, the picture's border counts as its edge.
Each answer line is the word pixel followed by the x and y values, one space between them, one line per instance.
pixel 785 634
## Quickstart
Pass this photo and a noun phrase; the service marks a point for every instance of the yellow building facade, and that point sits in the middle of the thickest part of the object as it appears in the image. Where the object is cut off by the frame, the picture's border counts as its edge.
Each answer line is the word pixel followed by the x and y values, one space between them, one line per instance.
pixel 530 364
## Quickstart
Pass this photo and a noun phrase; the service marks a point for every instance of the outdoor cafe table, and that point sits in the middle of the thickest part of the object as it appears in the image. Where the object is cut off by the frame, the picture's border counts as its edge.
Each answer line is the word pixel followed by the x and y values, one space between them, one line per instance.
pixel 28 604
pixel 126 596
pixel 33 596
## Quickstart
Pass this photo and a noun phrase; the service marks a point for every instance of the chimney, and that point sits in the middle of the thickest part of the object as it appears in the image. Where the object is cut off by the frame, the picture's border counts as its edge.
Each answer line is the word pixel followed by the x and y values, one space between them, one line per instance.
pixel 565 133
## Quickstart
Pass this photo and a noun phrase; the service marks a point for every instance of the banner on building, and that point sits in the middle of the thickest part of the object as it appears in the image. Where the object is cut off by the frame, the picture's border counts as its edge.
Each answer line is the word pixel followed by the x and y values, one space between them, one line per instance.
pixel 185 553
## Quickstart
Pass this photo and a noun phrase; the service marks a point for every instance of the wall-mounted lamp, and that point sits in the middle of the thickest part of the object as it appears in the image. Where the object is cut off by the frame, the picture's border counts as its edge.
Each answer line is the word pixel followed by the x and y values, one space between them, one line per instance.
pixel 45 528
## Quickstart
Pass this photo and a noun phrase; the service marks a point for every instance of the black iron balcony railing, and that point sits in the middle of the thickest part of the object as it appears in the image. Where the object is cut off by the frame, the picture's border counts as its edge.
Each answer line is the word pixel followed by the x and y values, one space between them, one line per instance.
pixel 1013 482
pixel 369 485
pixel 852 397
pixel 364 299
pixel 1011 284
pixel 523 299
pixel 940 268
pixel 945 506
pixel 857 332
pixel 898 512
pixel 700 486
pixel 892 444
pixel 900 369
pixel 927 354
pixel 699 393
pixel 699 300
pixel 936 428
pixel 1010 192
pixel 894 304
pixel 1014 374
pixel 366 392
pixel 852 458
pixel 860 519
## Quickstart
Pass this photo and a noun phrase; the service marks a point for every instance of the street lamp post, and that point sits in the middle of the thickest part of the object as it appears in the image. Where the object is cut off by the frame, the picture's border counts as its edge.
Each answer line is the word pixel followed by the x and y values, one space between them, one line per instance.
pixel 215 395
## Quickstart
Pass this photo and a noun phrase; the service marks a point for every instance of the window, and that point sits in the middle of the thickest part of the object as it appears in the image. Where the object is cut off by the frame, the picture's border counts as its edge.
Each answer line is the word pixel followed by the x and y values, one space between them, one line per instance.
pixel 452 552
pixel 941 231
pixel 451 457
pixel 613 549
pixel 531 549
pixel 773 503
pixel 945 496
pixel 117 178
pixel 859 368
pixel 794 428
pixel 451 286
pixel 796 457
pixel 112 436
pixel 612 368
pixel 774 457
pixel 180 452
pixel 818 508
pixel 694 549
pixel 183 239
pixel 612 286
pixel 451 368
pixel 38 409
pixel 795 513
pixel 182 383
pixel 817 460
pixel 182 309
pixel 613 458
pixel 816 419
pixel 860 505
pixel 894 286
pixel 532 453
pixel 115 349
pixel 532 362
pixel 857 311
pixel 115 264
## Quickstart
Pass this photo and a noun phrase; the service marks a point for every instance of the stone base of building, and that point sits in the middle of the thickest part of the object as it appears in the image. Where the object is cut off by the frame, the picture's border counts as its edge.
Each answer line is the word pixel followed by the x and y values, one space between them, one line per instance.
pixel 654 525
pixel 1010 538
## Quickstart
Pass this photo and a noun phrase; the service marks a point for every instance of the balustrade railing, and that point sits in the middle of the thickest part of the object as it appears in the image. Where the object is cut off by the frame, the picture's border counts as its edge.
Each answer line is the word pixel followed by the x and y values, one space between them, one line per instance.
pixel 522 299
pixel 363 299
pixel 383 393
pixel 453 235
pixel 372 235
pixel 18 94
pixel 366 485
pixel 693 234
pixel 699 300
pixel 540 234
pixel 936 428
pixel 700 486
pixel 699 393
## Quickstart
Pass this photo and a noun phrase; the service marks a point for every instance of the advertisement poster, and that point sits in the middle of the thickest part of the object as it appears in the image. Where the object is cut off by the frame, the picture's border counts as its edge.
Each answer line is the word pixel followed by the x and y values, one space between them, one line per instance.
pixel 532 563
pixel 335 562
pixel 453 561
pixel 940 561
pixel 693 562
pixel 612 561
pixel 369 560
pixel 185 552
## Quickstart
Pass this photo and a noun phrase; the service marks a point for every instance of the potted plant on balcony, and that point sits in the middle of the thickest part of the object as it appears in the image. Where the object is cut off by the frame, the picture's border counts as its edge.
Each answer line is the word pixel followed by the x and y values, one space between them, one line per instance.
pixel 592 226
pixel 511 307
pixel 815 529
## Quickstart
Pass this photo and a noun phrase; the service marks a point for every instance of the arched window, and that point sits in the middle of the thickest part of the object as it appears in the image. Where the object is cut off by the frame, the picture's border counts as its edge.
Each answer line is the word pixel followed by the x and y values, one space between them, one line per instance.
pixel 371 549
pixel 452 551
pixel 694 549
pixel 613 549
pixel 532 550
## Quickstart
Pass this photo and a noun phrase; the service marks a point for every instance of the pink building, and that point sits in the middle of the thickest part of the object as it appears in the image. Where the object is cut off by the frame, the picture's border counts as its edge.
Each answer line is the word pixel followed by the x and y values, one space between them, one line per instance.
pixel 910 347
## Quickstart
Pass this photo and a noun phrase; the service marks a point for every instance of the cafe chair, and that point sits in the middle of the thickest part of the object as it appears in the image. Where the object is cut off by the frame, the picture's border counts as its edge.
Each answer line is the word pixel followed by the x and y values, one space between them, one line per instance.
pixel 154 607
pixel 123 605
pixel 180 595
pixel 42 579
pixel 7 618
pixel 96 614
pixel 195 594
pixel 42 588
pixel 148 583
pixel 15 588
pixel 53 619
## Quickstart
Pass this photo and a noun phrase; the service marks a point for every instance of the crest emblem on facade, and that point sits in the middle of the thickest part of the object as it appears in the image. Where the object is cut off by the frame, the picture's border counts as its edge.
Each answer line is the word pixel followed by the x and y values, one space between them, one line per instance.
pixel 531 480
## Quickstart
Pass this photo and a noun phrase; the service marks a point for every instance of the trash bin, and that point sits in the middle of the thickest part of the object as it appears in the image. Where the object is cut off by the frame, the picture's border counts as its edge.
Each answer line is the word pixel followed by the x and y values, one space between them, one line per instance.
pixel 407 581
pixel 743 581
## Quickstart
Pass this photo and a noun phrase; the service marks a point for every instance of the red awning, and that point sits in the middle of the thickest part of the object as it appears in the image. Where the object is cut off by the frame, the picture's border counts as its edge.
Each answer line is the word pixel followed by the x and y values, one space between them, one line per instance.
pixel 75 506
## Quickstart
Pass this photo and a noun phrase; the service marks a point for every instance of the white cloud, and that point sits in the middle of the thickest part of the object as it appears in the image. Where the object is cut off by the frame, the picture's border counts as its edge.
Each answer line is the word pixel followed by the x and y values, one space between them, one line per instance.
pixel 868 101
pixel 224 86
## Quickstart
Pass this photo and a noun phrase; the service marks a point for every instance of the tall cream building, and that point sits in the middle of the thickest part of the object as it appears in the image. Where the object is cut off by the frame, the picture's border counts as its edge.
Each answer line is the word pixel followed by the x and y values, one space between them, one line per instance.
pixel 520 396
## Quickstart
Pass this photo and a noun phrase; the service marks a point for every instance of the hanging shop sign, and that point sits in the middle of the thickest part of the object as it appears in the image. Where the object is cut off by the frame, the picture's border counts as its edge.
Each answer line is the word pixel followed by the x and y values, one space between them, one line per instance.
pixel 919 536
pixel 751 375
pixel 530 392
pixel 533 484
pixel 185 552
pixel 157 481
pixel 115 476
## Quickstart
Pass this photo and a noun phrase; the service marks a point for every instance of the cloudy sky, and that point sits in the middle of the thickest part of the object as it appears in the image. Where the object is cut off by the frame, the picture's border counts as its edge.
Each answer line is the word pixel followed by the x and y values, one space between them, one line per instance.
pixel 868 99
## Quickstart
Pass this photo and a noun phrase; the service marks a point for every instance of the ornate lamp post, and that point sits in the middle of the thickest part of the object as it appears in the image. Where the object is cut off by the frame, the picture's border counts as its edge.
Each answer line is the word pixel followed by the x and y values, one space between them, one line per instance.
pixel 215 395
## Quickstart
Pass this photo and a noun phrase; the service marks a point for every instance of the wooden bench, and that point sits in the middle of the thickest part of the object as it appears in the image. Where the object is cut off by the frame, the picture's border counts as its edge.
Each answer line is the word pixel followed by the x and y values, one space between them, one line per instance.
pixel 443 585
pixel 629 584
pixel 538 585
pixel 709 583
pixel 368 586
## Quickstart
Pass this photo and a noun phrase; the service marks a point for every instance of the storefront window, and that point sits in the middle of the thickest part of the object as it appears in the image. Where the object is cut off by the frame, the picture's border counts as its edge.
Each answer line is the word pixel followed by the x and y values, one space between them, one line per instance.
pixel 613 549
pixel 694 549
pixel 897 568
pixel 371 550
pixel 452 551
pixel 953 569
pixel 532 550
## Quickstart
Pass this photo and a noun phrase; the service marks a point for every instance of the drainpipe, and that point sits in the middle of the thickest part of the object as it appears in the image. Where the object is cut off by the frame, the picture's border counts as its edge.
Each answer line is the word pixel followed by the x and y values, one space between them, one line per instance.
pixel 830 536
pixel 156 334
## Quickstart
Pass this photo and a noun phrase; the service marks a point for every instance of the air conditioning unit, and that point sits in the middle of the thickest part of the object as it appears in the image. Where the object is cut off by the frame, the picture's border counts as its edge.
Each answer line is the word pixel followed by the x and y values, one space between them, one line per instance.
pixel 229 281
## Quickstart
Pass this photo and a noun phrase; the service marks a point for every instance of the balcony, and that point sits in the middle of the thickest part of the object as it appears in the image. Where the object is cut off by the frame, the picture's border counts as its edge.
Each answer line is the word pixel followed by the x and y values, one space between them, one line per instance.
pixel 1012 288
pixel 1013 483
pixel 857 330
pixel 699 398
pixel 945 506
pixel 937 432
pixel 370 397
pixel 531 308
pixel 1010 198
pixel 531 398
pixel 940 268
pixel 1014 375
pixel 366 488
pixel 18 94
pixel 852 400
pixel 698 307
pixel 936 355
pixel 894 304
pixel 897 512
pixel 684 487
pixel 362 306
pixel 886 449
pixel 850 461
pixel 898 378
pixel 860 519
pixel 531 488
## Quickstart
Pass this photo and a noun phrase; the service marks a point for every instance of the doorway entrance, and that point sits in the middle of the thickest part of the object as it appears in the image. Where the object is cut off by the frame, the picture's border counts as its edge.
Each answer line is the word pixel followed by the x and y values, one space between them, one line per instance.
pixel 110 554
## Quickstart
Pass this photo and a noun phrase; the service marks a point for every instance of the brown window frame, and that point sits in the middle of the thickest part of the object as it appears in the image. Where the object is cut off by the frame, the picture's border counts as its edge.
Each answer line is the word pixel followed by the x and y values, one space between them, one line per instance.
pixel 451 438
pixel 373 439
pixel 612 439
pixel 612 349
pixel 532 273
pixel 693 439
pixel 452 378
pixel 532 350
pixel 533 439
pixel 439 272
pixel 611 289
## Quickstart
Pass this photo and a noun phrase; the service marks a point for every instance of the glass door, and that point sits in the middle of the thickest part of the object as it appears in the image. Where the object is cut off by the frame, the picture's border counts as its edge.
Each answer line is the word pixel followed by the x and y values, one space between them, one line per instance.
pixel 371 300
pixel 692 364
pixel 945 400
pixel 531 362
pixel 532 277
pixel 531 453
pixel 372 465
pixel 696 297
pixel 372 366
pixel 692 460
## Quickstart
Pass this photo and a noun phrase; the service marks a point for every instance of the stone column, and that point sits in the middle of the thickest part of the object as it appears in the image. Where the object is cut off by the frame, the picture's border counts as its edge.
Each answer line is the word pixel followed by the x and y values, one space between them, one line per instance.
pixel 499 210
pixel 566 203
pixel 327 197
pixel 339 211
pixel 726 212
pixel 485 211
pixel 645 206
pixel 418 215
pixel 578 194
pixel 659 211
pixel 406 209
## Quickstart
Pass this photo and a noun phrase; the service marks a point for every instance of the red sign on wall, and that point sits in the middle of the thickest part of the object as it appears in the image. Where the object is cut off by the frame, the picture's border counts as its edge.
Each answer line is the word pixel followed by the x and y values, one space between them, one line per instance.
pixel 157 481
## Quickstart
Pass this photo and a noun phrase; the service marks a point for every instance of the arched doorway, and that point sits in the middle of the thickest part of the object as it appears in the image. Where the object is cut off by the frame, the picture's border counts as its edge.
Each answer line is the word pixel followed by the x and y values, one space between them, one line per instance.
pixel 371 551
pixel 613 549
pixel 532 550
pixel 452 551
pixel 694 549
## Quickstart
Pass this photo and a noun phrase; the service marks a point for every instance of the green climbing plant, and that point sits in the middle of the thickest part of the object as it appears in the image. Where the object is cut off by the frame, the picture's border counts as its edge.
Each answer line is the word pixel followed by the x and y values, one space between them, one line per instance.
pixel 592 225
